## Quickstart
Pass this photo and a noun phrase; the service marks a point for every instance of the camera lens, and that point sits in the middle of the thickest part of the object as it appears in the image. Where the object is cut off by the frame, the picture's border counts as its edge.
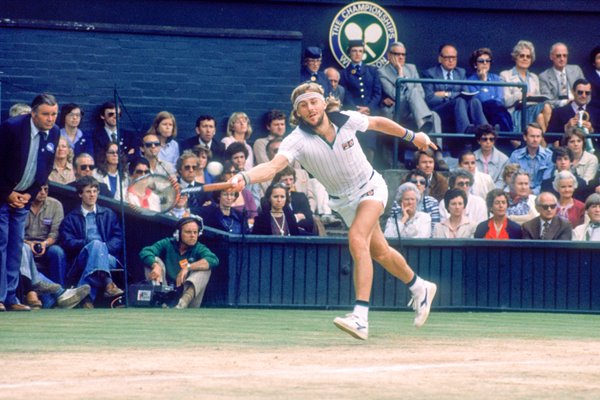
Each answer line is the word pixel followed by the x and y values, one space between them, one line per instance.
pixel 37 247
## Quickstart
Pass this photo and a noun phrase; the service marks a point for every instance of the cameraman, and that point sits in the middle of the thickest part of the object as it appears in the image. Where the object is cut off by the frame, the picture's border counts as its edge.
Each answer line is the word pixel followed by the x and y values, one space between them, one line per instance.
pixel 182 260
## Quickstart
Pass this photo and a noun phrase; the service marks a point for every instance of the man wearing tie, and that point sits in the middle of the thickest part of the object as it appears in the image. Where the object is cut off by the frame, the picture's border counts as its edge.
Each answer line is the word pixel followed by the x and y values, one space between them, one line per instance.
pixel 127 141
pixel 459 112
pixel 556 82
pixel 568 116
pixel 27 148
pixel 547 226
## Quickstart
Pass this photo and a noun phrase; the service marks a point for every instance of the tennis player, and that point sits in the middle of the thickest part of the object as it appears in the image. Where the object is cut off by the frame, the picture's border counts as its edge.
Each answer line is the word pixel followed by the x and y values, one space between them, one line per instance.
pixel 325 143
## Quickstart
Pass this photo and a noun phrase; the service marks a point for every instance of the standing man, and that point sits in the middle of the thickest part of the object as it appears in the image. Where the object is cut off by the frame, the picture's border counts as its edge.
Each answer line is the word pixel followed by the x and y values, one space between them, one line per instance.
pixel 183 261
pixel 311 65
pixel 275 123
pixel 547 226
pixel 363 91
pixel 327 147
pixel 206 128
pixel 459 112
pixel 27 148
pixel 557 81
pixel 533 158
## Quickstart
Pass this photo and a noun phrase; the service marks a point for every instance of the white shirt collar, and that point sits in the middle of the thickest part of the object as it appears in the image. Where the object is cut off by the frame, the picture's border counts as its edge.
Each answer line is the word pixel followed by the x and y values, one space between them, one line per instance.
pixel 86 212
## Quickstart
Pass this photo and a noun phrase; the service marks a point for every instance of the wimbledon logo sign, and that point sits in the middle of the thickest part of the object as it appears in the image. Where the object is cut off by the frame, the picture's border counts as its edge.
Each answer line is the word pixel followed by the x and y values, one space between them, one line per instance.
pixel 364 21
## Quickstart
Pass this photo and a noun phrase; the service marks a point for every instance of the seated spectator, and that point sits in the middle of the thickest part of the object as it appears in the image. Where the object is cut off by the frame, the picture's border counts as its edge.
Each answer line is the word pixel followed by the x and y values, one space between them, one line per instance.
pixel 548 225
pixel 128 141
pixel 182 261
pixel 91 236
pixel 499 226
pixel 569 208
pixel 245 204
pixel 40 243
pixel 491 97
pixel 437 184
pixel 275 124
pixel 206 128
pixel 577 114
pixel 592 74
pixel 221 215
pixel 84 166
pixel 509 171
pixel 147 199
pixel 489 159
pixel 298 201
pixel 475 207
pixel 337 91
pixel 164 127
pixel 62 170
pixel 150 149
pixel 523 55
pixel 109 172
pixel 482 182
pixel 410 223
pixel 534 158
pixel 187 167
pixel 555 82
pixel 181 208
pixel 521 203
pixel 276 218
pixel 459 112
pixel 204 157
pixel 585 163
pixel 562 157
pixel 457 225
pixel 590 231
pixel 19 109
pixel 239 130
pixel 427 204
pixel 70 119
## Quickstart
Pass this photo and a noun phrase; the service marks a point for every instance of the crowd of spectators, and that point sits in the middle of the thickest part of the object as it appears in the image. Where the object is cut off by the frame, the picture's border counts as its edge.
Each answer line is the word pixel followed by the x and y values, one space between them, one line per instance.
pixel 532 188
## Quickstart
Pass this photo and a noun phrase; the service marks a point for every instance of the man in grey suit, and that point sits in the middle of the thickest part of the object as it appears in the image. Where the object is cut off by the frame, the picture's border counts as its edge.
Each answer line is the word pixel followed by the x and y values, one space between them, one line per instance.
pixel 556 82
pixel 412 96
pixel 547 226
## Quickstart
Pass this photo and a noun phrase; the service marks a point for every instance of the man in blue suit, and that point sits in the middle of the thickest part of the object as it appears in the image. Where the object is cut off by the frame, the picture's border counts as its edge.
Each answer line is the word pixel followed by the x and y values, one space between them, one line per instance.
pixel 363 90
pixel 459 112
pixel 27 148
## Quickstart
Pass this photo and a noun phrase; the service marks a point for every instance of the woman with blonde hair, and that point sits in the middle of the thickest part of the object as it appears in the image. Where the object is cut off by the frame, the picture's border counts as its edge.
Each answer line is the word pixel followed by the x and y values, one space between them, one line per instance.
pixel 165 127
pixel 62 171
pixel 239 129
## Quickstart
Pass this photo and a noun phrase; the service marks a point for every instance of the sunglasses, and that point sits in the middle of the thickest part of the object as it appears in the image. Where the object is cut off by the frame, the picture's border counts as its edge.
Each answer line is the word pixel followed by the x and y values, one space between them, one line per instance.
pixel 487 139
pixel 190 167
pixel 151 144
pixel 449 57
pixel 561 55
pixel 463 184
pixel 395 53
pixel 84 167
pixel 112 152
pixel 421 181
pixel 548 207
pixel 112 114
pixel 484 61
pixel 582 92
pixel 528 56
pixel 142 171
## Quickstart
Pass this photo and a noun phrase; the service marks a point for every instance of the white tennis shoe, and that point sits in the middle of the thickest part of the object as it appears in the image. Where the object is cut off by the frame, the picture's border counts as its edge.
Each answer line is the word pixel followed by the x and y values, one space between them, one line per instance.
pixel 421 303
pixel 354 325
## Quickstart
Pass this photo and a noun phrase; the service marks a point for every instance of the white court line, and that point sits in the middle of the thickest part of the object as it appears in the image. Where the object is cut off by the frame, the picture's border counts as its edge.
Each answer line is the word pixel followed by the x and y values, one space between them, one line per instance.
pixel 292 373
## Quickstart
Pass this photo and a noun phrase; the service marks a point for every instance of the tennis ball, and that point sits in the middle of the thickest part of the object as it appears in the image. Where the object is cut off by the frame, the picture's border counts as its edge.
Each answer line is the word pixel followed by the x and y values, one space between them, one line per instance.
pixel 214 168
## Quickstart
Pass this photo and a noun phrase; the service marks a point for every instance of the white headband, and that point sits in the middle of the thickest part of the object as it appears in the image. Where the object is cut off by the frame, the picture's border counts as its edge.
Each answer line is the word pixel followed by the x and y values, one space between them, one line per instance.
pixel 306 96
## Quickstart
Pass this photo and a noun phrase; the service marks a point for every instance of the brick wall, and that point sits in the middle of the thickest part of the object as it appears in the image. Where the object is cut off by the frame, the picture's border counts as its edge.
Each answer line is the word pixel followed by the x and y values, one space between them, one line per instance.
pixel 188 72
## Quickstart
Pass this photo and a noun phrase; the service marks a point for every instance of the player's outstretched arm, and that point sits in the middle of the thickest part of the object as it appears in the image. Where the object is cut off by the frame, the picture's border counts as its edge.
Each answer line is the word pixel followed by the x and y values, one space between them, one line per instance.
pixel 260 173
pixel 389 127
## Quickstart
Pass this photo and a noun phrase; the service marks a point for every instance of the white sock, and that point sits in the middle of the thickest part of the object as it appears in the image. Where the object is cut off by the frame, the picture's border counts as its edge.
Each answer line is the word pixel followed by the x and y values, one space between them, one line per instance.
pixel 417 287
pixel 361 311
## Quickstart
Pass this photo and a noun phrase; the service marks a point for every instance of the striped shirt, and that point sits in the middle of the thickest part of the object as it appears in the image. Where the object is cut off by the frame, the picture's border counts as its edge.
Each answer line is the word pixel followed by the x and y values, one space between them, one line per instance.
pixel 341 166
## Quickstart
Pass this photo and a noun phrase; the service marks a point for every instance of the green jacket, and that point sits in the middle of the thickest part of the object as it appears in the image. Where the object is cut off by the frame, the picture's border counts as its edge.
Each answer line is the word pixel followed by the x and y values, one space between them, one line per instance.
pixel 168 251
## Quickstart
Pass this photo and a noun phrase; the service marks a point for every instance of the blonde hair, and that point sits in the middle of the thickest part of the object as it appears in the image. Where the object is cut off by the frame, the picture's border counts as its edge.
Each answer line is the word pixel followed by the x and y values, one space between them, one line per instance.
pixel 233 119
pixel 70 153
pixel 333 104
pixel 161 116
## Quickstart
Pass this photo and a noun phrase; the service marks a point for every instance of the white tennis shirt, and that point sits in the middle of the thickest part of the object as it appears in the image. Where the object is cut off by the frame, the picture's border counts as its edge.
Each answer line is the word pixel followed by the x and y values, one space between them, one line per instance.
pixel 341 166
